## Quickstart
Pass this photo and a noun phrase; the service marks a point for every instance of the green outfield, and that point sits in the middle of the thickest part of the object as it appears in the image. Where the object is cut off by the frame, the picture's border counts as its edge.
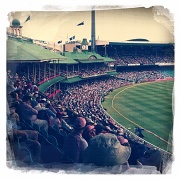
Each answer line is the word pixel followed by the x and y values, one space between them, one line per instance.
pixel 148 105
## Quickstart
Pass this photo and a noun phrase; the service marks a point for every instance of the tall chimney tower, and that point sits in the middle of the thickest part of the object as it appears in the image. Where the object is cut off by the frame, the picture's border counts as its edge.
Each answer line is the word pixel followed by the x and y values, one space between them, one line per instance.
pixel 93 35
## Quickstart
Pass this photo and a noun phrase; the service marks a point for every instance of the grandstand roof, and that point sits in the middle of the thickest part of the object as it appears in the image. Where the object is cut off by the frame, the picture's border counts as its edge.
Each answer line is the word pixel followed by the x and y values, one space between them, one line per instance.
pixel 24 50
pixel 87 57
pixel 49 83
pixel 107 59
pixel 82 55
pixel 71 80
pixel 68 60
pixel 94 76
pixel 90 61
pixel 144 43
pixel 138 39
pixel 112 73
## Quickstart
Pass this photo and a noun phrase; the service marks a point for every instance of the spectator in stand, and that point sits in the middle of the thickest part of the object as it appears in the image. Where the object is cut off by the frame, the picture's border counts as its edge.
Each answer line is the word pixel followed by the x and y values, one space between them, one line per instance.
pixel 152 157
pixel 99 128
pixel 50 106
pixel 34 88
pixel 19 93
pixel 56 122
pixel 14 98
pixel 89 132
pixel 123 141
pixel 61 125
pixel 26 138
pixel 35 95
pixel 43 106
pixel 29 114
pixel 106 150
pixel 75 144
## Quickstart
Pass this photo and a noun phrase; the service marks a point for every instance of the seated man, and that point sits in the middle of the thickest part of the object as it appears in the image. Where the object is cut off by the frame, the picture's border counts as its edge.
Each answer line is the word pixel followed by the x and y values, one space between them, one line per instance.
pixel 89 132
pixel 106 150
pixel 152 157
pixel 26 138
pixel 74 144
pixel 29 139
pixel 29 114
pixel 42 107
pixel 59 123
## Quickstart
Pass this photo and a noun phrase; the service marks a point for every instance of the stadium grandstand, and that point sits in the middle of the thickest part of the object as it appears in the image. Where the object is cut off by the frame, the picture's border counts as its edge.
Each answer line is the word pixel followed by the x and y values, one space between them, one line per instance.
pixel 50 85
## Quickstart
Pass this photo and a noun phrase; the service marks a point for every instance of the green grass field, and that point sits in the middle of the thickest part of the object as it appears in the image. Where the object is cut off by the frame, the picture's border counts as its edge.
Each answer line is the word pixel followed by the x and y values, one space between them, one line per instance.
pixel 148 105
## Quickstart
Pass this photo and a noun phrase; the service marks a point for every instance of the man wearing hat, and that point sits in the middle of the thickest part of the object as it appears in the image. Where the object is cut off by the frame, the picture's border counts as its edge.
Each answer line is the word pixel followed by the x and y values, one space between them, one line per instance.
pixel 75 144
pixel 106 150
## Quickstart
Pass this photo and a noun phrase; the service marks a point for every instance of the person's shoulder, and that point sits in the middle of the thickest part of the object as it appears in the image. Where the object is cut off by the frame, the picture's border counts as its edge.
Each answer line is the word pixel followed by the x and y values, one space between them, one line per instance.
pixel 83 139
pixel 77 137
pixel 70 136
pixel 16 114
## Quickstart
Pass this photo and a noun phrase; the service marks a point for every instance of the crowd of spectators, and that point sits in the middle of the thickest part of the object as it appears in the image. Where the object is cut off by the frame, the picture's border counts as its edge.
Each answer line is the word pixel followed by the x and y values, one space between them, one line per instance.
pixel 85 72
pixel 85 98
pixel 30 115
pixel 144 76
pixel 45 128
pixel 143 59
pixel 43 72
pixel 46 72
pixel 75 128
pixel 138 54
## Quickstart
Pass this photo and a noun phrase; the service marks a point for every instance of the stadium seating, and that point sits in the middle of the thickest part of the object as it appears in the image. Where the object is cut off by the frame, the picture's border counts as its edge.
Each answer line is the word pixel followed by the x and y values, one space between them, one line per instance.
pixel 83 98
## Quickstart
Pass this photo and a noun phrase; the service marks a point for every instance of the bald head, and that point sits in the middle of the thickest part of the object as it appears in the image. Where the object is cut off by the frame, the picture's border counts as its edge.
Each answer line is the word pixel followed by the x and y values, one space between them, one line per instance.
pixel 79 123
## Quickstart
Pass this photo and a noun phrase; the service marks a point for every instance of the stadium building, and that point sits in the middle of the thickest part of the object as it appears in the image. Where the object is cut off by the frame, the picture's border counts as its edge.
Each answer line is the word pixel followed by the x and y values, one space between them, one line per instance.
pixel 58 70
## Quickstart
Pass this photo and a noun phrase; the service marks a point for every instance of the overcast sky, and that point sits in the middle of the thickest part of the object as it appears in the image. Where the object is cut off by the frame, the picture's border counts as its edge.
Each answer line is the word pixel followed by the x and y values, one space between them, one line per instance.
pixel 120 24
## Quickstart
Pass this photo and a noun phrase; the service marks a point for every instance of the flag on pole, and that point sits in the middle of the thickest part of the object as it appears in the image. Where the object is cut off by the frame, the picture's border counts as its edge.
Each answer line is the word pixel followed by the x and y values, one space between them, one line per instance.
pixel 27 19
pixel 80 24
pixel 71 38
